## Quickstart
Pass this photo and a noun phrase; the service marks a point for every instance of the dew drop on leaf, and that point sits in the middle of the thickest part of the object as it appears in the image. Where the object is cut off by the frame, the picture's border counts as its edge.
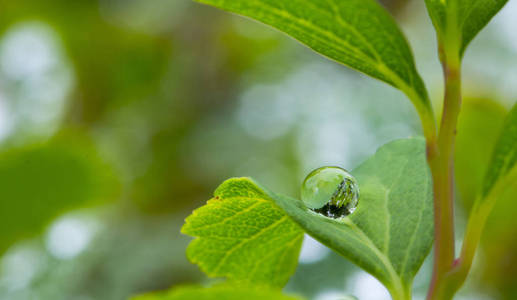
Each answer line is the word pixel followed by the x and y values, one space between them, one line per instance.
pixel 330 191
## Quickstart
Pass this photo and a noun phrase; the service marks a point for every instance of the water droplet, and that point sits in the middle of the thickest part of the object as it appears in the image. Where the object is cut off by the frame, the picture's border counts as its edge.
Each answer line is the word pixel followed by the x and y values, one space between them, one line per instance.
pixel 330 191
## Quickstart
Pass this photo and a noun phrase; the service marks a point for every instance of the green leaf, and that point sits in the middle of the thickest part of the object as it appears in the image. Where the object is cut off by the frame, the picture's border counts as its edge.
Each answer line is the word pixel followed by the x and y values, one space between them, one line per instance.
pixel 219 292
pixel 462 20
pixel 479 125
pixel 391 232
pixel 356 33
pixel 503 169
pixel 38 182
pixel 244 236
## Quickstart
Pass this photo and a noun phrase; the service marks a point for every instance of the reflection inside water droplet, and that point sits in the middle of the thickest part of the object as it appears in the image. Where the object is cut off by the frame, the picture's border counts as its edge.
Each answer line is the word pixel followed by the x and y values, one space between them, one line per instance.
pixel 330 191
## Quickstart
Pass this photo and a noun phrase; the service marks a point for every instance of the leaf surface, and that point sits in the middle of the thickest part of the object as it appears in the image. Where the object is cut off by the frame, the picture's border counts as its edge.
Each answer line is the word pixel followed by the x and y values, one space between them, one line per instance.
pixel 356 33
pixel 462 18
pixel 244 236
pixel 222 292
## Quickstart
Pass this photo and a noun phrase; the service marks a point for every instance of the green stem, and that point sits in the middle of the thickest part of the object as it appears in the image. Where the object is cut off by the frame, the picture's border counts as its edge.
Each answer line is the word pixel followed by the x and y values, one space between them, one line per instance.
pixel 441 164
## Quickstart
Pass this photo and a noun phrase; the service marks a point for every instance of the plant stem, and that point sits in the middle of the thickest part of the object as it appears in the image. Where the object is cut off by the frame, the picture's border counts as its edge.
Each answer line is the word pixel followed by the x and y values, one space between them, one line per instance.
pixel 442 168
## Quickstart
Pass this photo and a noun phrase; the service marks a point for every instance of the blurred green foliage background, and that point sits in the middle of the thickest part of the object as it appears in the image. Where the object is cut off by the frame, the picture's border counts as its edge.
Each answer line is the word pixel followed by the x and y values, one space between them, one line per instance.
pixel 117 118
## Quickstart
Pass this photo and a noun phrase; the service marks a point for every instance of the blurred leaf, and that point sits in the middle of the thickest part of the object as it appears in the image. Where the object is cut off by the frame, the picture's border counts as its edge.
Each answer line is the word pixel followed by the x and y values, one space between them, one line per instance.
pixel 391 232
pixel 503 164
pixel 463 19
pixel 221 292
pixel 41 181
pixel 500 234
pixel 357 33
pixel 479 125
pixel 242 235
